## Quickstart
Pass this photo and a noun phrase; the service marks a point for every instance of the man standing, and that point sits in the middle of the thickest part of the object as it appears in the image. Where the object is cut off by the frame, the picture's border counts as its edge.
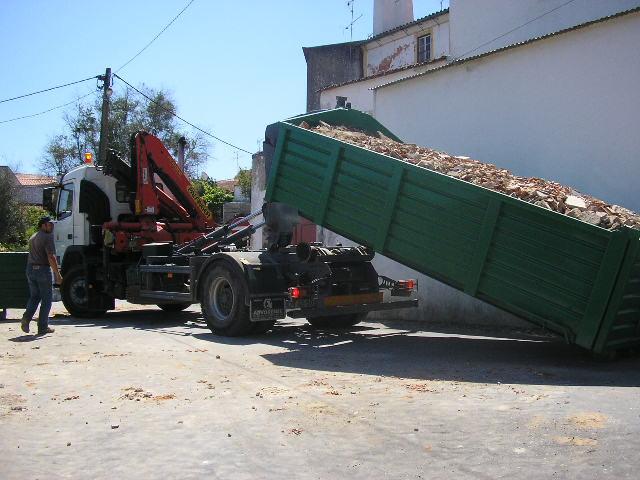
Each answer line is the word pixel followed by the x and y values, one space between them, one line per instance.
pixel 41 261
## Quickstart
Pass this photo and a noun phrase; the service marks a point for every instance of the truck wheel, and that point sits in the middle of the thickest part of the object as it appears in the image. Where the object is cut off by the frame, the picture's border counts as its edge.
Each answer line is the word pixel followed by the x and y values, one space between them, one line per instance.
pixel 223 305
pixel 337 321
pixel 75 295
pixel 173 307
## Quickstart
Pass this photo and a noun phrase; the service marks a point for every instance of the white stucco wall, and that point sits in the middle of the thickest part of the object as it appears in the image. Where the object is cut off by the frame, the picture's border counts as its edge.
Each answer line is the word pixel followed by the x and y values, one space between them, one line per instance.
pixel 399 49
pixel 563 108
pixel 31 194
pixel 441 39
pixel 360 95
pixel 474 22
pixel 388 15
pixel 258 190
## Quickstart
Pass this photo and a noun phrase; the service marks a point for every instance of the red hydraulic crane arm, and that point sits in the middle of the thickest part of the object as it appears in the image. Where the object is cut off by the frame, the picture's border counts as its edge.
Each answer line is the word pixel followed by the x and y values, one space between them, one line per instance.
pixel 149 157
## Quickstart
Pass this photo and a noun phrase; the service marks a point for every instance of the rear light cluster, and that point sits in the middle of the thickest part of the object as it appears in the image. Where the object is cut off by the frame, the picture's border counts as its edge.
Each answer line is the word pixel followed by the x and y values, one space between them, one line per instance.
pixel 407 284
pixel 298 292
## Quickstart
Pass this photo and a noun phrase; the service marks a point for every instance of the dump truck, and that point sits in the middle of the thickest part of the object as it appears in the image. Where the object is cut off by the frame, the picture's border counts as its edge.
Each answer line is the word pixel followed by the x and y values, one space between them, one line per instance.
pixel 573 278
pixel 136 230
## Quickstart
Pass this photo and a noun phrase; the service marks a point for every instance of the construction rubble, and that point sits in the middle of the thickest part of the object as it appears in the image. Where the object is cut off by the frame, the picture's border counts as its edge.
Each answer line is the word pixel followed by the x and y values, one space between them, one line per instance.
pixel 543 193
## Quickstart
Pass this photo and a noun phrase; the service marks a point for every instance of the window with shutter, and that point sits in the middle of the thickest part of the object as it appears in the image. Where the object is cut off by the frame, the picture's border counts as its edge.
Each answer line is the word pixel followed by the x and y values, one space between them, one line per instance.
pixel 424 48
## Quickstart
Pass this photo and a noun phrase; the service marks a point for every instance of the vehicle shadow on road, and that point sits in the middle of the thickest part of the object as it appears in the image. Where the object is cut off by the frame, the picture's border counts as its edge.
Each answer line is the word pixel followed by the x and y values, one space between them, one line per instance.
pixel 140 319
pixel 422 354
pixel 406 350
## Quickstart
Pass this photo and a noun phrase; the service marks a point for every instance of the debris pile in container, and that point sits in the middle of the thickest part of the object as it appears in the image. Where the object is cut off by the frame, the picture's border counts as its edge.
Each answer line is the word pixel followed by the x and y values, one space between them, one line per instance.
pixel 544 193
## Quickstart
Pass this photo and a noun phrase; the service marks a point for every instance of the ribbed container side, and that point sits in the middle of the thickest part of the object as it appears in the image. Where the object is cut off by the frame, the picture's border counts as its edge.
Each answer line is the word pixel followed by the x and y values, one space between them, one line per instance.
pixel 576 279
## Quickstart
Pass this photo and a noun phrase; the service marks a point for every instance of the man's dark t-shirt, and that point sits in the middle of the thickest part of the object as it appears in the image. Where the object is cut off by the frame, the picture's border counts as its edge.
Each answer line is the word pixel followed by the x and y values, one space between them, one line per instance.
pixel 40 244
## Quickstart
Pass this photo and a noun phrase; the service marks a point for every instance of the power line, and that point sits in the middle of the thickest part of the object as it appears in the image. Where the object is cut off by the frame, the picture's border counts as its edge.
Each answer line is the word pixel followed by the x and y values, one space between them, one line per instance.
pixel 180 118
pixel 46 111
pixel 512 30
pixel 156 37
pixel 47 89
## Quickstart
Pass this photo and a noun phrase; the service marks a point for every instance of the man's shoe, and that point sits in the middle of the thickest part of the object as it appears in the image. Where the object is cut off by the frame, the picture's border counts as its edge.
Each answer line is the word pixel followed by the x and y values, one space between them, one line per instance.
pixel 44 332
pixel 24 325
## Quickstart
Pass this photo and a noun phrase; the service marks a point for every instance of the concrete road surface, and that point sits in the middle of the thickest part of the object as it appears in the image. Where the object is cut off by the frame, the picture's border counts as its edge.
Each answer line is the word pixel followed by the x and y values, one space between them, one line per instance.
pixel 145 394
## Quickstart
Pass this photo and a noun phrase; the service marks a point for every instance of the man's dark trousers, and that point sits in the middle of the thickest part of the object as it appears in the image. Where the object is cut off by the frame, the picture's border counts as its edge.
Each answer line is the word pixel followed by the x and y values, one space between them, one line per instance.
pixel 41 291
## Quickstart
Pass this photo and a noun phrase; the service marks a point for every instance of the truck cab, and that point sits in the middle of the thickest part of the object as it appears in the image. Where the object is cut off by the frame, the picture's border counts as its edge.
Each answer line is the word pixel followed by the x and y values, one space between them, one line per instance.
pixel 106 213
pixel 85 197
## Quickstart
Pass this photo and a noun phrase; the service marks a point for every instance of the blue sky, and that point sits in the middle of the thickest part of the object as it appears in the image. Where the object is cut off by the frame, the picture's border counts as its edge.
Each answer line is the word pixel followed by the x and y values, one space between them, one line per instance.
pixel 232 67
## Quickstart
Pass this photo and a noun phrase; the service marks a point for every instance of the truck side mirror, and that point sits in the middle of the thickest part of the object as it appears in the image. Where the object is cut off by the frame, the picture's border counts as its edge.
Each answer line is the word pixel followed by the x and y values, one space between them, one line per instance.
pixel 48 199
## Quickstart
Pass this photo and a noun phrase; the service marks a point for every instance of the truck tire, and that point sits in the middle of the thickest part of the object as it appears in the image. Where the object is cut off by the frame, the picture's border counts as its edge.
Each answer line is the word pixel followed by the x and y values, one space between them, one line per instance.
pixel 337 321
pixel 173 307
pixel 223 302
pixel 75 295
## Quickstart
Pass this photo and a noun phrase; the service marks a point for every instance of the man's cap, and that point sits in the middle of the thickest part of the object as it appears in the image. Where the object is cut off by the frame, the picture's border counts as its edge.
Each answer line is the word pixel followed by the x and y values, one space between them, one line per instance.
pixel 43 220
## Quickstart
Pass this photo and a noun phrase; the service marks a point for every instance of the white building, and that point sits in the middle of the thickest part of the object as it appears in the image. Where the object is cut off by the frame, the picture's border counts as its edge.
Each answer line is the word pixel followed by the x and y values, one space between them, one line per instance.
pixel 30 185
pixel 545 88
pixel 399 47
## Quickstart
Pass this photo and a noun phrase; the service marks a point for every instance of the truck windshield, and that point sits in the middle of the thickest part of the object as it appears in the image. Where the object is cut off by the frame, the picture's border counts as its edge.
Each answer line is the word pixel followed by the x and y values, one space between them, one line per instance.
pixel 65 201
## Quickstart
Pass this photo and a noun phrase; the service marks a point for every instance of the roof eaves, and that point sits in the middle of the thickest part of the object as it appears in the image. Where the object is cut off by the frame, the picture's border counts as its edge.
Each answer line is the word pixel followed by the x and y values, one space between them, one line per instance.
pixel 383 74
pixel 431 16
pixel 509 47
pixel 355 43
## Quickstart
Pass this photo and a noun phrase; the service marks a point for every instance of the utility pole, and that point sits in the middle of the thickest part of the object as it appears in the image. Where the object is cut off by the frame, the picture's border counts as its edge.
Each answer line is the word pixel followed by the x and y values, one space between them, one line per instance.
pixel 182 143
pixel 104 121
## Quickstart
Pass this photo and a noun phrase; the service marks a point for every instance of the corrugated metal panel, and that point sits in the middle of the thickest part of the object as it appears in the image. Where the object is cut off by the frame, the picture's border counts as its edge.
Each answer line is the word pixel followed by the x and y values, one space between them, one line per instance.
pixel 579 280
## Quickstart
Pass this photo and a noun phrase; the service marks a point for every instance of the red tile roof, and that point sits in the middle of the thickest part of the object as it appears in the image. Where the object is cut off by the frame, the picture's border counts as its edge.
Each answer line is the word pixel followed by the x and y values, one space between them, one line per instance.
pixel 35 180
pixel 227 184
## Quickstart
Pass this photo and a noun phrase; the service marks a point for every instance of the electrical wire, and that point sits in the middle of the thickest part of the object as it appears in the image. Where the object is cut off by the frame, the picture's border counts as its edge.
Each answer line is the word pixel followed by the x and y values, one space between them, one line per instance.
pixel 180 118
pixel 46 111
pixel 156 37
pixel 511 31
pixel 48 89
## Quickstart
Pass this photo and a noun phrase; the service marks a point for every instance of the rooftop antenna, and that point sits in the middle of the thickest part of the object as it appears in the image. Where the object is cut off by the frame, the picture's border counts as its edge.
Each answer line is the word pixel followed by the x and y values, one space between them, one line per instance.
pixel 350 5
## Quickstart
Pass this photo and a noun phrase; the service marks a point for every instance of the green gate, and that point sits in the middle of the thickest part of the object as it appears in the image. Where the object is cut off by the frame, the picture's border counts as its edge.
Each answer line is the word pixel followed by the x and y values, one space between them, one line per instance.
pixel 14 289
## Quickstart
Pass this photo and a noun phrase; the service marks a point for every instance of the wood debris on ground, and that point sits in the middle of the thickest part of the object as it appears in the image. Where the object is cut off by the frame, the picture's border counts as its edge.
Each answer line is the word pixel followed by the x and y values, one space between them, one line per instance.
pixel 538 191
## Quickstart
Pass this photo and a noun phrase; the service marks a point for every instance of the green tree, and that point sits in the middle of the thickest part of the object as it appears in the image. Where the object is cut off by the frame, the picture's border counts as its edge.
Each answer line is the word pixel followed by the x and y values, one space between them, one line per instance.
pixel 31 214
pixel 213 195
pixel 59 156
pixel 83 126
pixel 17 222
pixel 244 180
pixel 12 226
pixel 128 113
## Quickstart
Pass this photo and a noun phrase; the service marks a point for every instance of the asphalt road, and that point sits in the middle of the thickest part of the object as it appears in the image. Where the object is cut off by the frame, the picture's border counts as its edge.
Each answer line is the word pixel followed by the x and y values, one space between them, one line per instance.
pixel 145 394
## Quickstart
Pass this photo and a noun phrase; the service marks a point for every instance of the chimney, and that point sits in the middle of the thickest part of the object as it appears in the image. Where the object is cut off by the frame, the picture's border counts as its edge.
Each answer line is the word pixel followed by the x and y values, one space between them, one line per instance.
pixel 388 14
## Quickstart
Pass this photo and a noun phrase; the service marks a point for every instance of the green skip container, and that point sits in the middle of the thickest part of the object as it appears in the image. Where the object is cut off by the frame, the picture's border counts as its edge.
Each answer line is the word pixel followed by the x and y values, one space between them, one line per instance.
pixel 576 279
pixel 14 289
